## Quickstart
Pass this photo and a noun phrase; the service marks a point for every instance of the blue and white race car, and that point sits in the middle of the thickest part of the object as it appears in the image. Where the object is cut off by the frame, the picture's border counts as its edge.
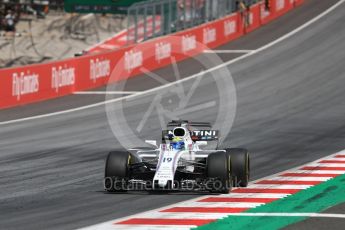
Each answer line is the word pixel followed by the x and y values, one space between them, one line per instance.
pixel 180 162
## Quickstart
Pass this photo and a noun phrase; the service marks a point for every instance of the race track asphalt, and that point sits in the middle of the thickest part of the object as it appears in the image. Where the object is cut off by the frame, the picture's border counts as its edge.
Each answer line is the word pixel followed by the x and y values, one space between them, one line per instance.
pixel 290 110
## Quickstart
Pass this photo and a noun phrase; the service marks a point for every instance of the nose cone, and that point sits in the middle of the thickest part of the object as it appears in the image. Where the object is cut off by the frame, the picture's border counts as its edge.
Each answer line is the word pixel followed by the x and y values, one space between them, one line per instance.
pixel 162 183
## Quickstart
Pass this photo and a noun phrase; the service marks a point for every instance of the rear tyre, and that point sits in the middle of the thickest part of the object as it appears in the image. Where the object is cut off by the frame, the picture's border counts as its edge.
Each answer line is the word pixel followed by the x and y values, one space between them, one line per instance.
pixel 116 171
pixel 240 166
pixel 219 172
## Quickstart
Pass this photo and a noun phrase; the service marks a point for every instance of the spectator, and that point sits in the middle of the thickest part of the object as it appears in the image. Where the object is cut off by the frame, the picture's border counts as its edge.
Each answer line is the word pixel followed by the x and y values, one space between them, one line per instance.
pixel 200 11
pixel 185 11
pixel 267 5
pixel 10 22
pixel 241 6
pixel 244 11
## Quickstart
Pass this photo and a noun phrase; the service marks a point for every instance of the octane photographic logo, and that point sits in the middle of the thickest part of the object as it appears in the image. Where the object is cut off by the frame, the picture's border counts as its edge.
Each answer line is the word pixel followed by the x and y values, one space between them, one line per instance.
pixel 157 97
pixel 116 184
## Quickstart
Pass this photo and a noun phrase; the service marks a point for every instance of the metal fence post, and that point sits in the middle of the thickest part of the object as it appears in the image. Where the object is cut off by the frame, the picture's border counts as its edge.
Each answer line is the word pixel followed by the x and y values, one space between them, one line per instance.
pixel 183 18
pixel 174 15
pixel 170 16
pixel 145 22
pixel 128 26
pixel 154 20
pixel 136 26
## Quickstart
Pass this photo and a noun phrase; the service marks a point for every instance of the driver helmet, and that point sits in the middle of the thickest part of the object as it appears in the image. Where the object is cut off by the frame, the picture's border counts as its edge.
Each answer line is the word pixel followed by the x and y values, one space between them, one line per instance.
pixel 177 143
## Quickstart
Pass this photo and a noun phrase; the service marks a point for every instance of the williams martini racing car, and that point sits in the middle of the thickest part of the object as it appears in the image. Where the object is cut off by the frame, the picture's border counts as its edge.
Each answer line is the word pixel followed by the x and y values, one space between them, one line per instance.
pixel 181 162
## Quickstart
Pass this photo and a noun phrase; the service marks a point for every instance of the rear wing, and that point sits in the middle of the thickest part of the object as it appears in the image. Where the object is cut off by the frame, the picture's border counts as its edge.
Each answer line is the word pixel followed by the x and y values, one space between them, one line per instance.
pixel 179 123
pixel 196 135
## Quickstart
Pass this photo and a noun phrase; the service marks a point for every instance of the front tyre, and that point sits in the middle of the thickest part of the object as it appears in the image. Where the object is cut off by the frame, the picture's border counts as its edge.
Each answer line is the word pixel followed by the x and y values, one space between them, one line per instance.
pixel 116 171
pixel 240 166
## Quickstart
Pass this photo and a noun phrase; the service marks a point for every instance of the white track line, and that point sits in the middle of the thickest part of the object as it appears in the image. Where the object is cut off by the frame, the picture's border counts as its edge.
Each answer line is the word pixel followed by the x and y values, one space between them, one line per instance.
pixel 278 186
pixel 283 178
pixel 221 215
pixel 185 215
pixel 324 215
pixel 150 227
pixel 252 195
pixel 327 165
pixel 220 204
pixel 319 172
pixel 202 74
pixel 105 92
pixel 228 51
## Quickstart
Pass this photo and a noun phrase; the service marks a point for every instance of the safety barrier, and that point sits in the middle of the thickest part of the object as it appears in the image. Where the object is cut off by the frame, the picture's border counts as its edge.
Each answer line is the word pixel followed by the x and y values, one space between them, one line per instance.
pixel 33 83
pixel 282 6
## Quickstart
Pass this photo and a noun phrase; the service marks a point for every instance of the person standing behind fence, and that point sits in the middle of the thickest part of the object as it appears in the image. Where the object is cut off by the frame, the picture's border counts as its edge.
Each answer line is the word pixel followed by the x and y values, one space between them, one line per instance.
pixel 200 11
pixel 267 5
pixel 244 11
pixel 185 9
pixel 10 22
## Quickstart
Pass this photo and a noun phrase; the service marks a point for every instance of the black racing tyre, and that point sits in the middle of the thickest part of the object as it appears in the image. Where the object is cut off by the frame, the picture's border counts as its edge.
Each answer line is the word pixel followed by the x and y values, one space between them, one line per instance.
pixel 219 172
pixel 240 166
pixel 116 170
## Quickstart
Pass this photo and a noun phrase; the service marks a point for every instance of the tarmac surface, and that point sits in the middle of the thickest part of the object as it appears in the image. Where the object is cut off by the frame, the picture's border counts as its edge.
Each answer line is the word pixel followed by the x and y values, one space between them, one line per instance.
pixel 322 223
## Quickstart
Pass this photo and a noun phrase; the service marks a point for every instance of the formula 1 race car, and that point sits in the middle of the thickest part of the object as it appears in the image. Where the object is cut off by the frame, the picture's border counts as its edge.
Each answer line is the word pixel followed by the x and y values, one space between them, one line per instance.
pixel 179 163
